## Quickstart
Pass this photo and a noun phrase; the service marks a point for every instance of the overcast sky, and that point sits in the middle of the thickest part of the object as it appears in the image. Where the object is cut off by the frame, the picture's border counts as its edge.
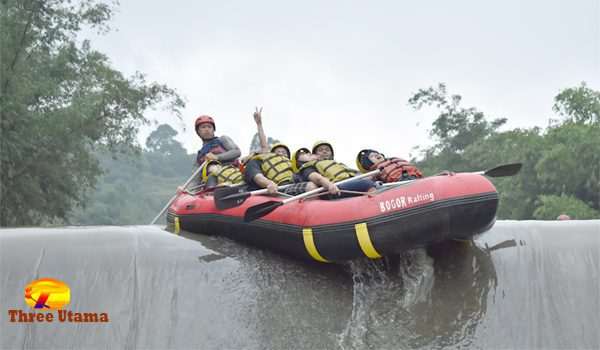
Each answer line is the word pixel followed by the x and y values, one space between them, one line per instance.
pixel 344 70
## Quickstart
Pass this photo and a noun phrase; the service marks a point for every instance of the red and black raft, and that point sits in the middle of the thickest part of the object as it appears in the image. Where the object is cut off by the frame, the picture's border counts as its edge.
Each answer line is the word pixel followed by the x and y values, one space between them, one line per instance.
pixel 392 220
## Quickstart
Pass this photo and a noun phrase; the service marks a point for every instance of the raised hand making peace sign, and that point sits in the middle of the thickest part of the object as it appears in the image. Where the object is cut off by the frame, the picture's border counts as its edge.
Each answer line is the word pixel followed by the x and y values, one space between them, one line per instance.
pixel 257 115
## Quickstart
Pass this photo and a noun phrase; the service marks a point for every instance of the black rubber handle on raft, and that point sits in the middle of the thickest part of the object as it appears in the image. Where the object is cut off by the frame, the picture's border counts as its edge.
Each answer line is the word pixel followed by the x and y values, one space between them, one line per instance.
pixel 260 210
pixel 504 170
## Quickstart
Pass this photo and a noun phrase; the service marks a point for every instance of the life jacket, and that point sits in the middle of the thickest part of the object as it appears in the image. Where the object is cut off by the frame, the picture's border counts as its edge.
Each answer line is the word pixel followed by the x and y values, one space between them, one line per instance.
pixel 331 169
pixel 214 146
pixel 229 174
pixel 275 167
pixel 396 169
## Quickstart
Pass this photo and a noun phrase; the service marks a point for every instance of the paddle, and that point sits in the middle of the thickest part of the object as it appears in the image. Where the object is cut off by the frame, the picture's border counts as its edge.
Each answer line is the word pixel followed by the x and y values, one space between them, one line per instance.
pixel 260 210
pixel 499 171
pixel 175 196
pixel 502 170
pixel 230 197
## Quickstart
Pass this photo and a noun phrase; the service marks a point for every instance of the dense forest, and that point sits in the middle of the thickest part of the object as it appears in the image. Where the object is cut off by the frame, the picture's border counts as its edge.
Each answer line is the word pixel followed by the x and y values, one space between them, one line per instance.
pixel 561 163
pixel 69 123
pixel 136 185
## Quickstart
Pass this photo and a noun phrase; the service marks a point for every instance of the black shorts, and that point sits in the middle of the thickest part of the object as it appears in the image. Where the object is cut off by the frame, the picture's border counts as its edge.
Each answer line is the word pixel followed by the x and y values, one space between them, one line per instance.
pixel 295 189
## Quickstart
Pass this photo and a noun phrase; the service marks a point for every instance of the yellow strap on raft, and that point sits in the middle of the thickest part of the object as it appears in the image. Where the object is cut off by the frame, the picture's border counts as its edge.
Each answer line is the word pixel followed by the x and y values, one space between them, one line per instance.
pixel 309 243
pixel 177 226
pixel 364 240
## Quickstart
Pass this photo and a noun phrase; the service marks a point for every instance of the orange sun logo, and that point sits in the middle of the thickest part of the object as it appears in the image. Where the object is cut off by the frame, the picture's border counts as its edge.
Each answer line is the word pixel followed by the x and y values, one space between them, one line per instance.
pixel 47 293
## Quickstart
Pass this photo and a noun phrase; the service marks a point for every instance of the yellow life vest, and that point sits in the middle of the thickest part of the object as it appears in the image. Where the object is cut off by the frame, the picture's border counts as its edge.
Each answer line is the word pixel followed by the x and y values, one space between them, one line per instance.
pixel 331 169
pixel 275 167
pixel 229 174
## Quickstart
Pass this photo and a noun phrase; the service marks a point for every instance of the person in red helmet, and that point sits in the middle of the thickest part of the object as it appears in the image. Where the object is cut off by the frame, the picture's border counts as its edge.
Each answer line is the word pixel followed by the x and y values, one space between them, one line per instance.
pixel 221 148
pixel 214 149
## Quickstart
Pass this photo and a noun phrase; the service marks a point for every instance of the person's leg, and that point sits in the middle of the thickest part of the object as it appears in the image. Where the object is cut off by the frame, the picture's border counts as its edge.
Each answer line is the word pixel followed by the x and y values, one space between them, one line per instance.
pixel 296 188
pixel 359 185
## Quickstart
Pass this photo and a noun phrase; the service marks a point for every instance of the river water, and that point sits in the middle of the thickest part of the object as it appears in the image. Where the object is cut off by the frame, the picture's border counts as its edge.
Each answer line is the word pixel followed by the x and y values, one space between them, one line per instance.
pixel 524 285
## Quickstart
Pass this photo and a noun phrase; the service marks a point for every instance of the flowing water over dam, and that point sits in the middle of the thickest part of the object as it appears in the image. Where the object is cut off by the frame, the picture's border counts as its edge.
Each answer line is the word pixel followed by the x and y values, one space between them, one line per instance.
pixel 526 284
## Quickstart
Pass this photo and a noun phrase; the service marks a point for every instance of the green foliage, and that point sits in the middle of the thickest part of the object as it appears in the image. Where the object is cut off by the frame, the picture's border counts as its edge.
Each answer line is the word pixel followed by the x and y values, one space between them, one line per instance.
pixel 136 185
pixel 161 141
pixel 570 162
pixel 517 193
pixel 61 100
pixel 561 165
pixel 549 207
pixel 579 104
pixel 456 127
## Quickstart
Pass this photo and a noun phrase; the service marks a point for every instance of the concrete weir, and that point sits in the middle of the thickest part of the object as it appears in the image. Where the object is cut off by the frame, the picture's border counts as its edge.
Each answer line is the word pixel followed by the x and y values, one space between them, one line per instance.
pixel 523 284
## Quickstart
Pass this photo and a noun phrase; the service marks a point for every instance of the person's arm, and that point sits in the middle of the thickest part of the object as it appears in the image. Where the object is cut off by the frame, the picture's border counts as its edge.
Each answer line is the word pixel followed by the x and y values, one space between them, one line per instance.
pixel 262 138
pixel 232 151
pixel 263 182
pixel 253 175
pixel 322 181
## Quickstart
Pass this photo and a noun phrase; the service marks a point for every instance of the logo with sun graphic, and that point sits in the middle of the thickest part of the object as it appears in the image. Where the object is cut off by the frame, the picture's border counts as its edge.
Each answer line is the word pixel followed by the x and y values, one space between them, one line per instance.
pixel 47 293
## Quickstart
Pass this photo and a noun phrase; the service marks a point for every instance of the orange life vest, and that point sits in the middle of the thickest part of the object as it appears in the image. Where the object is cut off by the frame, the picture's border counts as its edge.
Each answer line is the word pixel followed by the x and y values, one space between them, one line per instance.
pixel 396 169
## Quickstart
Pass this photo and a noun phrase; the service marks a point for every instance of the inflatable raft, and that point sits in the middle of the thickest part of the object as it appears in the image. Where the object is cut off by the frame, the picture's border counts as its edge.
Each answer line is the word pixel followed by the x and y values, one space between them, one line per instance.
pixel 392 220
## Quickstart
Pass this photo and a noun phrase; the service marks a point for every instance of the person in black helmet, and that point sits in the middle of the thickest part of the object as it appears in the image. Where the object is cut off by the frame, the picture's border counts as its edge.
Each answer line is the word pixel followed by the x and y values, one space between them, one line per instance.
pixel 391 169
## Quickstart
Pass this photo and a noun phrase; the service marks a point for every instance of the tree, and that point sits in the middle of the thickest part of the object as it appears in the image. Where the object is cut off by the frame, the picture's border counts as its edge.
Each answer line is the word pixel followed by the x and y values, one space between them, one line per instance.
pixel 517 193
pixel 551 206
pixel 454 129
pixel 579 105
pixel 166 156
pixel 162 141
pixel 561 165
pixel 570 163
pixel 135 185
pixel 61 100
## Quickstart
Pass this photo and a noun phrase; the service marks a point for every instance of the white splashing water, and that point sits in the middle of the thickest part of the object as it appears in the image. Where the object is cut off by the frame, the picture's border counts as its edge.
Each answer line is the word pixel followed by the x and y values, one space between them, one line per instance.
pixel 376 285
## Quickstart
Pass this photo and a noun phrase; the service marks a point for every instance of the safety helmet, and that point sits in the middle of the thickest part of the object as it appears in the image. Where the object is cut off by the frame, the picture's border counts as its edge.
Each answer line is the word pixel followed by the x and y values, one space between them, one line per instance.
pixel 321 142
pixel 205 173
pixel 279 144
pixel 363 163
pixel 295 163
pixel 204 119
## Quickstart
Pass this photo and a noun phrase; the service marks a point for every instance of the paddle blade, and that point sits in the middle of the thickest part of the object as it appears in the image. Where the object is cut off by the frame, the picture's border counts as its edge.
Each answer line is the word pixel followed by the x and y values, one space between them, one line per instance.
pixel 504 170
pixel 260 210
pixel 230 197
